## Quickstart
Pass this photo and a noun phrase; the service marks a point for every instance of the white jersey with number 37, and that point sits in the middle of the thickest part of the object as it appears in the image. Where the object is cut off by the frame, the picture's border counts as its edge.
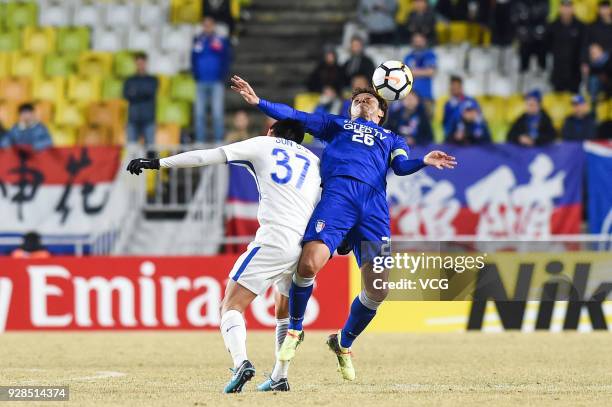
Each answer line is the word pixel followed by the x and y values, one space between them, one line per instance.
pixel 287 176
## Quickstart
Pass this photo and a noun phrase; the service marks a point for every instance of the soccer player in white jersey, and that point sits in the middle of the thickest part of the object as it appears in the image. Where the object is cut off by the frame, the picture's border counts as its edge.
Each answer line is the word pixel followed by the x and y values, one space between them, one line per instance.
pixel 287 176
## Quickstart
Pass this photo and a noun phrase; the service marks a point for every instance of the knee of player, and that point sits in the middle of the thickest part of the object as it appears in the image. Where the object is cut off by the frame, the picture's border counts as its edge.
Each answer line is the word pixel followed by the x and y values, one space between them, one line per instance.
pixel 377 294
pixel 308 267
pixel 231 305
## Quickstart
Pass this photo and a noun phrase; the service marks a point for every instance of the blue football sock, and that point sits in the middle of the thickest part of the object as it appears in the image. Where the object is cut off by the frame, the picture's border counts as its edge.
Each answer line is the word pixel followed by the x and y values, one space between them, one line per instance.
pixel 359 318
pixel 299 294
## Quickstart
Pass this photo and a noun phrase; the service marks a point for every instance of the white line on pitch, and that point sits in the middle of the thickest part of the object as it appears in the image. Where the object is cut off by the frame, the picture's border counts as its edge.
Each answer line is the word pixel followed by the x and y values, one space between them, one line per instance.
pixel 100 375
pixel 104 374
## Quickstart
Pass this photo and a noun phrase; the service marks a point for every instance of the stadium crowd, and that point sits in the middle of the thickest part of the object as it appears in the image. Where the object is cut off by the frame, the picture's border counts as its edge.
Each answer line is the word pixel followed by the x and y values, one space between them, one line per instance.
pixel 106 73
pixel 580 55
pixel 572 57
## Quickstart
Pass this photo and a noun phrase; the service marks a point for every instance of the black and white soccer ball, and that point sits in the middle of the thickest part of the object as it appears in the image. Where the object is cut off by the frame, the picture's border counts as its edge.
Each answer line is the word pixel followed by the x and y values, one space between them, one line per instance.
pixel 392 80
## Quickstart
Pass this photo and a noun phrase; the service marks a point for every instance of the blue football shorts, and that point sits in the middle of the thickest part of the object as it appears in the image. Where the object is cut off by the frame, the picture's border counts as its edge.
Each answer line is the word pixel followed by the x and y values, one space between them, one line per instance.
pixel 353 210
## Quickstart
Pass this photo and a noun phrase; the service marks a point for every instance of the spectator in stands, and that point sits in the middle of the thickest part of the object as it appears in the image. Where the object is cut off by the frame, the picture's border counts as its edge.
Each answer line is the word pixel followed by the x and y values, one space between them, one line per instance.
pixel 28 131
pixel 326 73
pixel 221 12
pixel 604 132
pixel 471 128
pixel 580 125
pixel 500 23
pixel 378 17
pixel 600 32
pixel 452 108
pixel 454 10
pixel 534 127
pixel 31 248
pixel 410 120
pixel 360 81
pixel 422 62
pixel 330 102
pixel 210 62
pixel 421 19
pixel 240 127
pixel 600 73
pixel 566 37
pixel 358 63
pixel 530 20
pixel 140 91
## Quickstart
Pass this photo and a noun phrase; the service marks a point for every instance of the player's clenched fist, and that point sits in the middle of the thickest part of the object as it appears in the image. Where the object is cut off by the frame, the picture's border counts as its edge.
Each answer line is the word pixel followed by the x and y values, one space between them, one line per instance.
pixel 136 166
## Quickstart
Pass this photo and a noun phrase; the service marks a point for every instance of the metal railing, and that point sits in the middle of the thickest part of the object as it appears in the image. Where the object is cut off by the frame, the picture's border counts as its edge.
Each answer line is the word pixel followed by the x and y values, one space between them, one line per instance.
pixel 196 196
pixel 80 244
pixel 172 189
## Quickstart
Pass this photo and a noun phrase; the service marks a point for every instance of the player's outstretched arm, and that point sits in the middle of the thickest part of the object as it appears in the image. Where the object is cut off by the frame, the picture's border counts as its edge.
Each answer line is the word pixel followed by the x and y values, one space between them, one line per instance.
pixel 440 160
pixel 314 123
pixel 189 159
pixel 401 165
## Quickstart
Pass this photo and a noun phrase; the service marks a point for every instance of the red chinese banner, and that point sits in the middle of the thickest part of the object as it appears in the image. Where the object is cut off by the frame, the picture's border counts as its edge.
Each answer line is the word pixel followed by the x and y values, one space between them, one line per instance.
pixel 56 191
pixel 145 293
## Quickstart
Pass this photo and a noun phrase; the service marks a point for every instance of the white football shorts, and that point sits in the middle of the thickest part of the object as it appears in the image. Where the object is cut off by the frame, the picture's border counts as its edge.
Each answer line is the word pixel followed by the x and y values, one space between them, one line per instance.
pixel 262 265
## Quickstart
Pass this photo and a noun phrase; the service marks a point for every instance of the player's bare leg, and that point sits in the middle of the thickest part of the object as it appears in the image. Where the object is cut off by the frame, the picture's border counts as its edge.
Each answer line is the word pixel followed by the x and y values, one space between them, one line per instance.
pixel 233 329
pixel 363 310
pixel 278 379
pixel 315 255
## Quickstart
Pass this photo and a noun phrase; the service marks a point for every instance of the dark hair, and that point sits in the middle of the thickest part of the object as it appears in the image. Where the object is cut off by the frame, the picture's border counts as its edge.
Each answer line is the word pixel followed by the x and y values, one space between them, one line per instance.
pixel 31 242
pixel 456 78
pixel 26 107
pixel 140 55
pixel 358 37
pixel 382 103
pixel 289 129
pixel 329 50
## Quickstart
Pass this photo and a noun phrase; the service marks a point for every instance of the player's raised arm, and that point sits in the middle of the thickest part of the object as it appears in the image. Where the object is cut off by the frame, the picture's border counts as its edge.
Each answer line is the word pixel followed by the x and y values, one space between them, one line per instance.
pixel 314 123
pixel 440 160
pixel 401 165
pixel 189 159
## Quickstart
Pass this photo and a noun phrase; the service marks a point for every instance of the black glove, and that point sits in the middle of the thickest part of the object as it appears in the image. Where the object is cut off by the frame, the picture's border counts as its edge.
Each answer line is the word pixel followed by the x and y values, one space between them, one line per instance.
pixel 136 166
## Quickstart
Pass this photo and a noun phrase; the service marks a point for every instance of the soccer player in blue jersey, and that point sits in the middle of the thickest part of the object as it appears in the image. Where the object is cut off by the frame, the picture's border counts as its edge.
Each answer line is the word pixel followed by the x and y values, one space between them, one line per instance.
pixel 353 205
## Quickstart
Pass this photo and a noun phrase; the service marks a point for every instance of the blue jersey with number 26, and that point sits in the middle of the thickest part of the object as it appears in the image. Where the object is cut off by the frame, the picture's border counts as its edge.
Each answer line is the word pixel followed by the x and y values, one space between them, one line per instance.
pixel 356 148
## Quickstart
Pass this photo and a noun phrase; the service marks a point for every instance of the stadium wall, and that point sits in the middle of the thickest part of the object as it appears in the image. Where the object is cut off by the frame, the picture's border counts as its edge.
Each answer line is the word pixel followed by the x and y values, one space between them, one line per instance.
pixel 184 293
pixel 137 293
pixel 590 309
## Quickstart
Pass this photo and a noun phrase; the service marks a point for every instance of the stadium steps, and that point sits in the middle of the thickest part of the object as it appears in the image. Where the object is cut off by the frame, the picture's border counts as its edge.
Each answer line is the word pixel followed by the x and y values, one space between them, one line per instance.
pixel 305 6
pixel 289 31
pixel 300 17
pixel 267 55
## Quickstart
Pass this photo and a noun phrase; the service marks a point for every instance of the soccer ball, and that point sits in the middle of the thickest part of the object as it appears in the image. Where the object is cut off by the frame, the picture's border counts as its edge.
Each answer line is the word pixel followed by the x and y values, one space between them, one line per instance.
pixel 392 80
